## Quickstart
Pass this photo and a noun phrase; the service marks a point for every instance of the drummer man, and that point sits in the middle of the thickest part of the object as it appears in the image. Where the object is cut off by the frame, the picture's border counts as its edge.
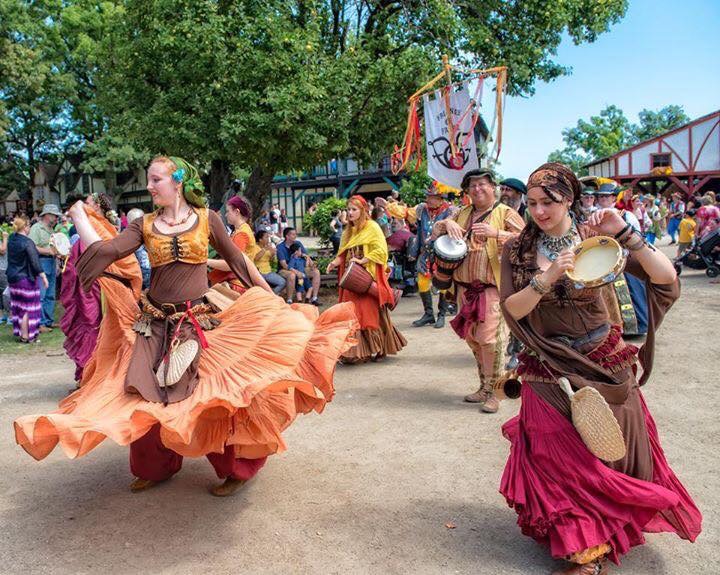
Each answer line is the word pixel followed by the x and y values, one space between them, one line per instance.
pixel 434 209
pixel 479 321
pixel 40 233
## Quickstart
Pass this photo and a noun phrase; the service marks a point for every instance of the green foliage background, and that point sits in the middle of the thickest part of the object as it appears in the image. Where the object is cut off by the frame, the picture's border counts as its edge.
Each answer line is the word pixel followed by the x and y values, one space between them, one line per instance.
pixel 319 221
pixel 610 131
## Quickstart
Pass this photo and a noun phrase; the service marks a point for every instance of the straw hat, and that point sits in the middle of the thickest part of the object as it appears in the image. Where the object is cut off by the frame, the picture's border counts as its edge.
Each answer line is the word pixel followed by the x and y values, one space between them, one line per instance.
pixel 595 422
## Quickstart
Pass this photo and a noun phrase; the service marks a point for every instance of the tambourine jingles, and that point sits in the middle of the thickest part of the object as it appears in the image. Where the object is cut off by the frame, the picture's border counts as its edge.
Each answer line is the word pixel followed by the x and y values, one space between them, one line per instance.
pixel 358 280
pixel 598 261
pixel 62 246
pixel 449 254
pixel 61 243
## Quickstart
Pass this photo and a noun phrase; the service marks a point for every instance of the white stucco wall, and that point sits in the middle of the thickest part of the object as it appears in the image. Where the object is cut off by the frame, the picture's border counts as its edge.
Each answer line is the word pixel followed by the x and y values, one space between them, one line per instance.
pixel 709 157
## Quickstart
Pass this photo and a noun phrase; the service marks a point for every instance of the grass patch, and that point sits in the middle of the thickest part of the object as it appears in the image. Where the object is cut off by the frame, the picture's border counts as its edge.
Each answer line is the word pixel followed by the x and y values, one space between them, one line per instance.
pixel 48 342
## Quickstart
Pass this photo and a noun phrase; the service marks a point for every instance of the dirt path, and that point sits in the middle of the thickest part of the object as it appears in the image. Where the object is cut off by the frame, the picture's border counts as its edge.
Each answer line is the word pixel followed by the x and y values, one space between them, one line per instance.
pixel 366 487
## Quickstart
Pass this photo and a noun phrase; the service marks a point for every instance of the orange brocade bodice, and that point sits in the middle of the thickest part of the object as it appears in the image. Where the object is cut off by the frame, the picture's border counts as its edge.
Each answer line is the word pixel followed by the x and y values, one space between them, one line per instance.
pixel 190 246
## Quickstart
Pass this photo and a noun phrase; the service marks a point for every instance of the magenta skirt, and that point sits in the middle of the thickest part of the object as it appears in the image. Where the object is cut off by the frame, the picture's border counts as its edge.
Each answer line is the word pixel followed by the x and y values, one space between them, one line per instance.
pixel 566 498
pixel 81 321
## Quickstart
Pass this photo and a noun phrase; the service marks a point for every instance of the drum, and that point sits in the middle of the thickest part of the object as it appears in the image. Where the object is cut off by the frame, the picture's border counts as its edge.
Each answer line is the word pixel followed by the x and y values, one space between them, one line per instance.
pixel 449 253
pixel 356 279
pixel 442 280
pixel 61 243
pixel 598 261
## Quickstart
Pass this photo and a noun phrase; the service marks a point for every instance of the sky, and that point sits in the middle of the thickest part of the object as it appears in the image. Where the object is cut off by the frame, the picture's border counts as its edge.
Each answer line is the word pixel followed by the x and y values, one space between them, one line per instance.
pixel 663 52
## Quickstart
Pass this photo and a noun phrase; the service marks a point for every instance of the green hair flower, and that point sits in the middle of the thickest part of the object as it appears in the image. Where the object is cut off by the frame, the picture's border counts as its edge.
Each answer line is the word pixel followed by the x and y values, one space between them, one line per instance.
pixel 193 188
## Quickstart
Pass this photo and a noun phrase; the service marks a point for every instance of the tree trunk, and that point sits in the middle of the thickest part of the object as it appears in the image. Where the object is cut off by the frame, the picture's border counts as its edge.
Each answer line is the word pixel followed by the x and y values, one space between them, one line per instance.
pixel 217 183
pixel 259 187
pixel 111 184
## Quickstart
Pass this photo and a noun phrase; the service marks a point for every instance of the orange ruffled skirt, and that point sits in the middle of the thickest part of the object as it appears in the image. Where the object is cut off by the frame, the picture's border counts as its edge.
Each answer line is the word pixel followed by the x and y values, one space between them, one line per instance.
pixel 265 363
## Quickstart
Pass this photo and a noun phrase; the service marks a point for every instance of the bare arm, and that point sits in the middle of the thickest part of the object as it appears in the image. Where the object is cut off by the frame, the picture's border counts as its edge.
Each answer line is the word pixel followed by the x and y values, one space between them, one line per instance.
pixel 218 265
pixel 656 265
pixel 521 303
pixel 87 233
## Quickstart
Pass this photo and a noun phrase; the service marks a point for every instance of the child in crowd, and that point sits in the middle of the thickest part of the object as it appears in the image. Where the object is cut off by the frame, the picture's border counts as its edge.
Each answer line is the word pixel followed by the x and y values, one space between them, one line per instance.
pixel 686 231
pixel 300 264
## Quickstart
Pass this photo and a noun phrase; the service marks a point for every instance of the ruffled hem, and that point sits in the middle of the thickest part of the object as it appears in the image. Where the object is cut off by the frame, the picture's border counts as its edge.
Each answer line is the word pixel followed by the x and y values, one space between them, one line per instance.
pixel 569 500
pixel 266 363
pixel 386 340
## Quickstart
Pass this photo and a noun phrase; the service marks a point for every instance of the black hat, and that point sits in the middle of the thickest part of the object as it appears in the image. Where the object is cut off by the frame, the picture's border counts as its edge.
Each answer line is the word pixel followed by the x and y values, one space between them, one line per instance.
pixel 477 173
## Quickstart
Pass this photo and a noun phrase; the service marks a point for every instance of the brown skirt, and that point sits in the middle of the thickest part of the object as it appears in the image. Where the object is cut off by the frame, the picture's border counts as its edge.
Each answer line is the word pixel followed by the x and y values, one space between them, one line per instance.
pixel 386 340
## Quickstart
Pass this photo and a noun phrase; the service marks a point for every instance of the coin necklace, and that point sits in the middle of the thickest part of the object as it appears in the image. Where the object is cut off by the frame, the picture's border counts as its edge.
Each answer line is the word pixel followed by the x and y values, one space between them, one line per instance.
pixel 552 246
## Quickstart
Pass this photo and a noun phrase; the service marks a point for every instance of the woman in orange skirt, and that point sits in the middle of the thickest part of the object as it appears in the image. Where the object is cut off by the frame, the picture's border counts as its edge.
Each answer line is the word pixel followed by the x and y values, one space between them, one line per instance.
pixel 176 377
pixel 363 242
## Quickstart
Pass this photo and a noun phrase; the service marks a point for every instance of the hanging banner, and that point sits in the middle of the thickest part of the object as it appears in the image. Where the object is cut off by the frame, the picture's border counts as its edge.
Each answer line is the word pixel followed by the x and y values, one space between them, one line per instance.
pixel 451 148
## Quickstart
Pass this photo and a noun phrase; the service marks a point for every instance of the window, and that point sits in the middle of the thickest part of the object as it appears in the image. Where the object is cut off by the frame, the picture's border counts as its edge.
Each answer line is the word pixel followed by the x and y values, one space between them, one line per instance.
pixel 659 160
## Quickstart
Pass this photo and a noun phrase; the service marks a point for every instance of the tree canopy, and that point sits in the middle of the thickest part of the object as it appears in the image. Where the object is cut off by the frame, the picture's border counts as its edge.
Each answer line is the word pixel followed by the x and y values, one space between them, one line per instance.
pixel 610 131
pixel 268 85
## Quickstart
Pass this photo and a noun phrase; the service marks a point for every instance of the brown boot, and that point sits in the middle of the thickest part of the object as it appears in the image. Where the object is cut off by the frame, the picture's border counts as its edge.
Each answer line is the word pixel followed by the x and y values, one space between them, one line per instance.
pixel 139 485
pixel 491 403
pixel 475 397
pixel 228 487
pixel 597 567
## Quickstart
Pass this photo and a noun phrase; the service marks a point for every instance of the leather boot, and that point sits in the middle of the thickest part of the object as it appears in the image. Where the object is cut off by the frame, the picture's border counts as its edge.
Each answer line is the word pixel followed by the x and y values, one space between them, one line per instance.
pixel 139 485
pixel 428 316
pixel 442 310
pixel 597 567
pixel 228 487
pixel 490 403
pixel 477 396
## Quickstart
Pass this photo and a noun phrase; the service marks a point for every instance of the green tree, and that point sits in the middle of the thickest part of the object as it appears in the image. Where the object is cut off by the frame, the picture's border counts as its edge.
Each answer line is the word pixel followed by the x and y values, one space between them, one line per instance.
pixel 33 88
pixel 610 132
pixel 655 123
pixel 282 85
pixel 412 191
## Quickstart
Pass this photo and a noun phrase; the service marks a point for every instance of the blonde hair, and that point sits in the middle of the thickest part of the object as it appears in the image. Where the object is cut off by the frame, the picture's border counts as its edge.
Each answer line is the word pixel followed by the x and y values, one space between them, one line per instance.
pixel 164 160
pixel 20 223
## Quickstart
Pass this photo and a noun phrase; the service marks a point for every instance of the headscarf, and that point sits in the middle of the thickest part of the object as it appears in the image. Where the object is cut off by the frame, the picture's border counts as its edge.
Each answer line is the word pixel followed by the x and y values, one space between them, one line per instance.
pixel 554 179
pixel 188 176
pixel 359 200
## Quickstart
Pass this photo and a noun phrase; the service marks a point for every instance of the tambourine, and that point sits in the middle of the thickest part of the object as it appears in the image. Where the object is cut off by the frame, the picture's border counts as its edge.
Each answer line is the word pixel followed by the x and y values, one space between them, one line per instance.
pixel 598 261
pixel 61 243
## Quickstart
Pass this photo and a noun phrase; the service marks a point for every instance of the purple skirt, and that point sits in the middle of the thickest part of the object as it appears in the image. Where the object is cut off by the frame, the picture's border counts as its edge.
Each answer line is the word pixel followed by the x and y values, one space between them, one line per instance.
pixel 81 321
pixel 25 299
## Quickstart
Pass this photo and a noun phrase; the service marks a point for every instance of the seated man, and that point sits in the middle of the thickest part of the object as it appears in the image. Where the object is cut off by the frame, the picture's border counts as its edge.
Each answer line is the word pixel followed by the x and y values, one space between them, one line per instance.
pixel 283 256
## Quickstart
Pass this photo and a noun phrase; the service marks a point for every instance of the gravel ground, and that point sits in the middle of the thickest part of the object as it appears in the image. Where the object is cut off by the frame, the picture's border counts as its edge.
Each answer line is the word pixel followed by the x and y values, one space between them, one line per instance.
pixel 397 476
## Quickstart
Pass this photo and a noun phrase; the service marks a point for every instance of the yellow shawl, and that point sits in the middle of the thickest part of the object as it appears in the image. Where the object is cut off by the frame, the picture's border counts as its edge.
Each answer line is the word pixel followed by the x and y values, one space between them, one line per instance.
pixel 496 220
pixel 373 243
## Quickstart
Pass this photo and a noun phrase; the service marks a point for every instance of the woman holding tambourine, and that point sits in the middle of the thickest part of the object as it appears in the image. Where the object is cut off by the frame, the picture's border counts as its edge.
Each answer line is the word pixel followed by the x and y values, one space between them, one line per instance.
pixel 363 244
pixel 586 506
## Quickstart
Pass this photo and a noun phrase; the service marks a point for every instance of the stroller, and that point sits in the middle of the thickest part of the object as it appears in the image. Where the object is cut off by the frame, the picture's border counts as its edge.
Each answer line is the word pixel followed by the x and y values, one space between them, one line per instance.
pixel 702 255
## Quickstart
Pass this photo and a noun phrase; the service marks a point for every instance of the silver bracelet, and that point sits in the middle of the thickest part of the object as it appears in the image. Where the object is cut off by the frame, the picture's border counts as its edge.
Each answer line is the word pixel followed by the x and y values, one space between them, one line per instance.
pixel 539 286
